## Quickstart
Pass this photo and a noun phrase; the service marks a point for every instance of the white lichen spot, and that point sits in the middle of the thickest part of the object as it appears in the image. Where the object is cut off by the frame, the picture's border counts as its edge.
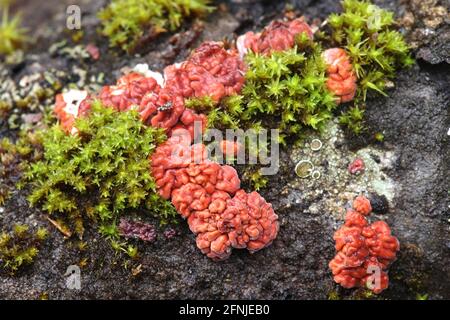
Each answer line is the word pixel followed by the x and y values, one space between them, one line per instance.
pixel 73 99
pixel 335 188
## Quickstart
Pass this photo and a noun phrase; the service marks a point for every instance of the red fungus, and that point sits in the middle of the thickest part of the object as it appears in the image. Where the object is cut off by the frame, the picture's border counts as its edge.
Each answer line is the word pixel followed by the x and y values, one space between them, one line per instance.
pixel 258 223
pixel 356 166
pixel 128 91
pixel 209 71
pixel 214 244
pixel 201 191
pixel 162 110
pixel 247 222
pixel 277 36
pixel 364 250
pixel 341 77
pixel 362 205
pixel 190 197
pixel 193 122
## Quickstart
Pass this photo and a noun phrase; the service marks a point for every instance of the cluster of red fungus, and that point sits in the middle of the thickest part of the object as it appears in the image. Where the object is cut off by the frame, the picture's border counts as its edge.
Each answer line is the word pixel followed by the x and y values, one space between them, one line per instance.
pixel 208 194
pixel 365 250
pixel 341 77
pixel 277 36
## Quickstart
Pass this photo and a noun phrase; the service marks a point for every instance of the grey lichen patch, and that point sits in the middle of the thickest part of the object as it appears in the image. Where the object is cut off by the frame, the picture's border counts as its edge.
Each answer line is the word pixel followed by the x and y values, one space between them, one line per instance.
pixel 427 28
pixel 24 101
pixel 335 186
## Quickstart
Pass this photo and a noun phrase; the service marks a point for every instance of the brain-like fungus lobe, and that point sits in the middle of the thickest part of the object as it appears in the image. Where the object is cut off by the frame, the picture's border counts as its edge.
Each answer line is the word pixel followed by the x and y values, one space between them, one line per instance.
pixel 364 251
pixel 277 36
pixel 159 107
pixel 209 71
pixel 208 195
pixel 128 91
pixel 341 77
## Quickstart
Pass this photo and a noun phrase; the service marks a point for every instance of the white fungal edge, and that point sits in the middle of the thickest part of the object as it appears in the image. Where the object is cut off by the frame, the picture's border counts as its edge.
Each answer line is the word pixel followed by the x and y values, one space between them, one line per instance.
pixel 144 69
pixel 73 99
pixel 240 45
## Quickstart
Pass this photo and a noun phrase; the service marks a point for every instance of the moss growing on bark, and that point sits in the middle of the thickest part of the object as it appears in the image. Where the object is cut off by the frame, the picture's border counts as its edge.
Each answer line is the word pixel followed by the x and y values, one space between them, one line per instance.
pixel 125 22
pixel 20 246
pixel 99 172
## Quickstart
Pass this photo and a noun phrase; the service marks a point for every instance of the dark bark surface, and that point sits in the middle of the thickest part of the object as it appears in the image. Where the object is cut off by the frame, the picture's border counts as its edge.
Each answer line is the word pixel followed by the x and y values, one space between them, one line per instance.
pixel 414 120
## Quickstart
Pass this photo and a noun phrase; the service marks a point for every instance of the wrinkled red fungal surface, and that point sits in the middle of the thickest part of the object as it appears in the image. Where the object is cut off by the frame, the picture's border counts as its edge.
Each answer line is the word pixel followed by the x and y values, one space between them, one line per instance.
pixel 362 205
pixel 230 148
pixel 157 107
pixel 277 36
pixel 244 221
pixel 341 77
pixel 356 166
pixel 364 251
pixel 128 91
pixel 209 71
pixel 208 196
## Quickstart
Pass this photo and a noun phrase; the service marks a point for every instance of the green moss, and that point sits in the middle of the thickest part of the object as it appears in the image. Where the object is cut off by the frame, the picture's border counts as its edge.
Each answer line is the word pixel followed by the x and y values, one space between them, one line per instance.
pixel 334 295
pixel 13 157
pixel 99 172
pixel 254 177
pixel 353 119
pixel 20 246
pixel 376 49
pixel 125 22
pixel 379 136
pixel 12 35
pixel 202 104
pixel 288 89
pixel 421 296
pixel 5 108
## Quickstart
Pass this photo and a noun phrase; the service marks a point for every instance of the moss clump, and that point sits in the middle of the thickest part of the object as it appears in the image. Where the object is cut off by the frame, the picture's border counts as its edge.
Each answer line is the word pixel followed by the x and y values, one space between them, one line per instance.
pixel 125 22
pixel 99 172
pixel 255 178
pixel 288 88
pixel 20 246
pixel 14 156
pixel 376 49
pixel 353 119
pixel 334 295
pixel 12 35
